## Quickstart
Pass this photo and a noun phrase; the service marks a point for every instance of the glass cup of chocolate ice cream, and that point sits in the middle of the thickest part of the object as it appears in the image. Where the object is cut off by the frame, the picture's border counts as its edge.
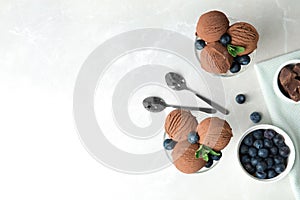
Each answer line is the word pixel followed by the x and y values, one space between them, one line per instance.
pixel 223 46
pixel 286 82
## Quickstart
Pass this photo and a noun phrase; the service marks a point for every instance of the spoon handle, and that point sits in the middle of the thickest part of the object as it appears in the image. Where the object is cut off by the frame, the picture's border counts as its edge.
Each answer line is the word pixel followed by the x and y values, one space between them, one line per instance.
pixel 206 110
pixel 213 104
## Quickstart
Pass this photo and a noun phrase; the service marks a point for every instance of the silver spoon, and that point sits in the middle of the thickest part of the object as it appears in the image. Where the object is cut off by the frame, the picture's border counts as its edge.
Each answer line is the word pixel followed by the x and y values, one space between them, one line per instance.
pixel 157 104
pixel 177 82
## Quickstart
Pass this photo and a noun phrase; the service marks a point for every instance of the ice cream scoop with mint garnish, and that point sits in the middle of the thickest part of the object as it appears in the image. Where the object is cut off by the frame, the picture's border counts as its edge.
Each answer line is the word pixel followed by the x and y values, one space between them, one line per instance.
pixel 224 48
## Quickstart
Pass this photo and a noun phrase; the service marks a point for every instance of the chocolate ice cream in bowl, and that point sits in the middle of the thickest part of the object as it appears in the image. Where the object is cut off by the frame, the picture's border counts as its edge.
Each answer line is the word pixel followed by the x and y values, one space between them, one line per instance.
pixel 224 48
pixel 195 147
pixel 286 82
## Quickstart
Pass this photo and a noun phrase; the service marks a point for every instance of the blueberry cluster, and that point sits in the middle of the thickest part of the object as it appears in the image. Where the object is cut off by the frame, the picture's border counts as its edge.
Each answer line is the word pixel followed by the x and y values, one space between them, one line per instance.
pixel 212 158
pixel 264 154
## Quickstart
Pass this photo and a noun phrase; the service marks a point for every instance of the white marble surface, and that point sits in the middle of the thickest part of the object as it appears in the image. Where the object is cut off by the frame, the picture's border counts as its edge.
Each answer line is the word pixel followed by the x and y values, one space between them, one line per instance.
pixel 42 47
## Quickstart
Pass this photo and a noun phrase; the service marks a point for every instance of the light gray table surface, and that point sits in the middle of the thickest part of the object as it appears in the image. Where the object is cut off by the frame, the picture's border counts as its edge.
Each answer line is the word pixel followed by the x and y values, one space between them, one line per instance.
pixel 43 46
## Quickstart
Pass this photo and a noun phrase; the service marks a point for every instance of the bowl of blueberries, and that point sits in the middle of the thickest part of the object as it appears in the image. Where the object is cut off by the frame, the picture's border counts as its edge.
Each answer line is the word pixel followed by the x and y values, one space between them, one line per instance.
pixel 266 153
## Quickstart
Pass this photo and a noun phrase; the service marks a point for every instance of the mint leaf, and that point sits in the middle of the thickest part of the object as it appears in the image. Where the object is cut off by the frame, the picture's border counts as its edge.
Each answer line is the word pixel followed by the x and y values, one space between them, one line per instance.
pixel 212 152
pixel 234 50
pixel 203 152
pixel 197 154
pixel 239 49
pixel 205 157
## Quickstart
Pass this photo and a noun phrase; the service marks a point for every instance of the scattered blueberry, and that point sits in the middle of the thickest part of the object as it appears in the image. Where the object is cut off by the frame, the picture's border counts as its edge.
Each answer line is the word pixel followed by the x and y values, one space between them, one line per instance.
pixel 261 175
pixel 249 168
pixel 278 140
pixel 248 140
pixel 270 162
pixel 271 173
pixel 258 134
pixel 225 39
pixel 235 67
pixel 279 168
pixel 268 143
pixel 263 153
pixel 258 144
pixel 261 166
pixel 269 133
pixel 244 149
pixel 240 98
pixel 255 117
pixel 255 160
pixel 284 151
pixel 200 44
pixel 245 159
pixel 252 152
pixel 278 160
pixel 193 137
pixel 243 60
pixel 209 163
pixel 274 150
pixel 169 144
pixel 216 158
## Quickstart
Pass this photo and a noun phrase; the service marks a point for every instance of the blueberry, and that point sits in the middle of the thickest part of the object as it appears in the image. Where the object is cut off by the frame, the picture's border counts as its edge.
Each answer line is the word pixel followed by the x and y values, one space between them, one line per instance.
pixel 193 137
pixel 274 150
pixel 243 60
pixel 216 158
pixel 252 152
pixel 245 159
pixel 255 117
pixel 240 98
pixel 169 144
pixel 269 133
pixel 284 151
pixel 263 153
pixel 248 140
pixel 258 144
pixel 261 166
pixel 244 149
pixel 258 134
pixel 278 160
pixel 270 162
pixel 209 163
pixel 249 168
pixel 235 67
pixel 271 173
pixel 225 39
pixel 278 140
pixel 255 160
pixel 268 143
pixel 279 168
pixel 200 44
pixel 261 175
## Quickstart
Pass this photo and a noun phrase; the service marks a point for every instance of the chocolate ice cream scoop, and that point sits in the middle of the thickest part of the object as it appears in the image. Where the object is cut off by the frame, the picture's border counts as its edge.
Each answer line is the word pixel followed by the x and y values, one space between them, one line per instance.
pixel 214 58
pixel 244 35
pixel 179 123
pixel 289 80
pixel 184 157
pixel 214 133
pixel 212 25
